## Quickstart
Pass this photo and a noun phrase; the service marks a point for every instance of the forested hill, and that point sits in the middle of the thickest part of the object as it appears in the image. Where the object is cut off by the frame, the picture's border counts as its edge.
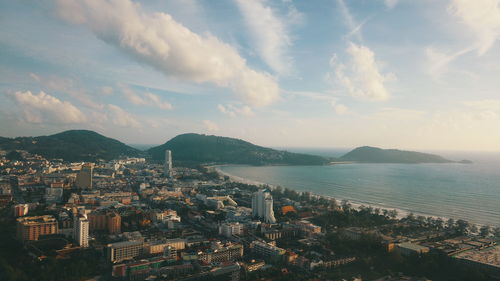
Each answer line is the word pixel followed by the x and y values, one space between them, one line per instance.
pixel 223 150
pixel 369 154
pixel 73 145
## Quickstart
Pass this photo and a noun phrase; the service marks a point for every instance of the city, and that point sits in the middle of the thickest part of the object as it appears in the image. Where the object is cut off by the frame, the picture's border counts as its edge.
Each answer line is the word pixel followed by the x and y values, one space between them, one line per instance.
pixel 132 219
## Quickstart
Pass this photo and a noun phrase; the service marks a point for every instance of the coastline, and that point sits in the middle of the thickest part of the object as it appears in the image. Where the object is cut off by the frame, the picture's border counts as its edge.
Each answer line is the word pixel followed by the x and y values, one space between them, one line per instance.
pixel 401 213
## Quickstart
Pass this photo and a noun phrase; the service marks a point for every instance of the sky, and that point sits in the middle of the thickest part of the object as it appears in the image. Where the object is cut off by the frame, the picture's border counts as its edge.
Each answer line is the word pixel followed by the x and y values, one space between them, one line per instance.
pixel 405 74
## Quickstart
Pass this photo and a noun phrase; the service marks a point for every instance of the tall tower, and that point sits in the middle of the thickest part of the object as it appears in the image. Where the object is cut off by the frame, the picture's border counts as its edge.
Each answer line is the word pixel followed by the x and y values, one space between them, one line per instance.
pixel 262 205
pixel 167 169
pixel 81 230
pixel 84 177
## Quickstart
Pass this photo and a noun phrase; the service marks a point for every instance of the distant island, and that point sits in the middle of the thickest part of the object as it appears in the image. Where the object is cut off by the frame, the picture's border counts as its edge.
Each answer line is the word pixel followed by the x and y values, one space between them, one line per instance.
pixel 368 154
pixel 85 145
pixel 223 150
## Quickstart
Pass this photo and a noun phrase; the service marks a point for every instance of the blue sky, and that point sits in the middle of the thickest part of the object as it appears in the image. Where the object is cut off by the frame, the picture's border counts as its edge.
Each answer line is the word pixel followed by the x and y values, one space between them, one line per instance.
pixel 324 73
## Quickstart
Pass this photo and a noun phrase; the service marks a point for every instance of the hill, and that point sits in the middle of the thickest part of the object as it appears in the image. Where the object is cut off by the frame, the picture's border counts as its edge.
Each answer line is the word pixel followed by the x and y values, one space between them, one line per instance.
pixel 73 145
pixel 369 154
pixel 222 150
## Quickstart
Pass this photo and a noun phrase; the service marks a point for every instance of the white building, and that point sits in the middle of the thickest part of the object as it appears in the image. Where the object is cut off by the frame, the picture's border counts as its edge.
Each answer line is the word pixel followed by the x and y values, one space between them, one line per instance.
pixel 81 230
pixel 230 229
pixel 262 205
pixel 168 164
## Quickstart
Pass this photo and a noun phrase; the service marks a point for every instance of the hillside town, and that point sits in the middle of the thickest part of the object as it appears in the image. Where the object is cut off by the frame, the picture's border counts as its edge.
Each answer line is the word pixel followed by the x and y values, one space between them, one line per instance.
pixel 137 219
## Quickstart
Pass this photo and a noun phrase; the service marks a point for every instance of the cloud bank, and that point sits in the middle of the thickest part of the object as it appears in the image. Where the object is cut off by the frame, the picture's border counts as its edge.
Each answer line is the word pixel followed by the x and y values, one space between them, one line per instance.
pixel 157 40
pixel 44 108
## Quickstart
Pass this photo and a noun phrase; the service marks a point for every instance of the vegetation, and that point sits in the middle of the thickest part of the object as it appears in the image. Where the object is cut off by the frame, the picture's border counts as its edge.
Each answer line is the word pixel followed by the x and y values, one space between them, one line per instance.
pixel 223 150
pixel 73 145
pixel 369 154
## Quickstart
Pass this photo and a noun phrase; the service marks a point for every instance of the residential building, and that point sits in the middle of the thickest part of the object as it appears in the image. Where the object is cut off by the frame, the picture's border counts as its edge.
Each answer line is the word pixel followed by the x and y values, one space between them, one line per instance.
pixel 120 251
pixel 84 177
pixel 167 168
pixel 230 229
pixel 262 206
pixel 81 230
pixel 30 228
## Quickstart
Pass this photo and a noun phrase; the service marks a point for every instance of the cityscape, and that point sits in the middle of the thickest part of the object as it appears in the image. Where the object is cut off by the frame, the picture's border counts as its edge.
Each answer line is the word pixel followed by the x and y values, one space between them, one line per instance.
pixel 137 219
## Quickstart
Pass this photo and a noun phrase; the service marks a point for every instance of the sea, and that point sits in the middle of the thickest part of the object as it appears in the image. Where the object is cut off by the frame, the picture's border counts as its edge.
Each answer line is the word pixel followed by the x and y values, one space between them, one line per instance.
pixel 452 190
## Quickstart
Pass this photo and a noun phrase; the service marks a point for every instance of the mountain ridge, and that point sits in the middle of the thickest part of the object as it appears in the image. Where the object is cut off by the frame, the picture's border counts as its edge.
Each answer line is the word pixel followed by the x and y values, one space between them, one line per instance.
pixel 71 145
pixel 223 150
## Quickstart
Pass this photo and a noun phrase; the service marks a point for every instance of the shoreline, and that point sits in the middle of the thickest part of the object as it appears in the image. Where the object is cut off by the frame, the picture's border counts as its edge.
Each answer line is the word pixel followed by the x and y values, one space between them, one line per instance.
pixel 355 204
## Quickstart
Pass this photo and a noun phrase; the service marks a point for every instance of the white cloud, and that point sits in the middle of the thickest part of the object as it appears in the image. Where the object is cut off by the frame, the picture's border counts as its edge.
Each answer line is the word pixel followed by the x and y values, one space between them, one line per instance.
pixel 210 126
pixel 361 76
pixel 482 17
pixel 354 27
pixel 269 32
pixel 391 3
pixel 44 108
pixel 121 118
pixel 156 39
pixel 148 99
pixel 233 110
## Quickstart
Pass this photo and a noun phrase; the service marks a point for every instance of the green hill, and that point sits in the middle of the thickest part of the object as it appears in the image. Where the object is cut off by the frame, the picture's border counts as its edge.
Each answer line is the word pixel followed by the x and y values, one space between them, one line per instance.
pixel 222 150
pixel 369 154
pixel 73 145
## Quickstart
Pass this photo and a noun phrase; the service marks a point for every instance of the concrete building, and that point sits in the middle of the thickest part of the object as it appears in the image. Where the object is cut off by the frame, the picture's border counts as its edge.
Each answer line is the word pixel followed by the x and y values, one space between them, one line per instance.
pixel 81 230
pixel 30 228
pixel 266 250
pixel 105 220
pixel 21 210
pixel 84 177
pixel 223 254
pixel 167 168
pixel 118 252
pixel 262 206
pixel 407 249
pixel 231 228
pixel 155 248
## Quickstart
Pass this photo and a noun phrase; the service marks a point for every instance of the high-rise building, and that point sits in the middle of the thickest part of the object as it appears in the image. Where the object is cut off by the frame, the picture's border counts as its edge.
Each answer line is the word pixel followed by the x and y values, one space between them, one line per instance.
pixel 21 210
pixel 229 229
pixel 84 177
pixel 30 228
pixel 167 169
pixel 81 230
pixel 262 206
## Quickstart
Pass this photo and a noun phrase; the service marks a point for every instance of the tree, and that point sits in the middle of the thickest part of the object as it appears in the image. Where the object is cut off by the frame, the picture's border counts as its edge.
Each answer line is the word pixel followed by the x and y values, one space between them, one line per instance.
pixel 346 206
pixel 462 227
pixel 485 230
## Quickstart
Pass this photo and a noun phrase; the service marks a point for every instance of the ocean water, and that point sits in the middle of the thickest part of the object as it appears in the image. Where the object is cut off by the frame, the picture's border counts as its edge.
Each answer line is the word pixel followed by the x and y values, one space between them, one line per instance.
pixel 459 191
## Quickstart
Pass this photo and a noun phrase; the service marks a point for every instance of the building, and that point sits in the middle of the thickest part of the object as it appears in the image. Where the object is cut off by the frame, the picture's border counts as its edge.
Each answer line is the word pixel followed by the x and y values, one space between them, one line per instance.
pixel 30 228
pixel 155 248
pixel 167 168
pixel 407 249
pixel 223 254
pixel 81 230
pixel 109 221
pixel 21 210
pixel 121 251
pixel 230 229
pixel 84 177
pixel 262 206
pixel 266 250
